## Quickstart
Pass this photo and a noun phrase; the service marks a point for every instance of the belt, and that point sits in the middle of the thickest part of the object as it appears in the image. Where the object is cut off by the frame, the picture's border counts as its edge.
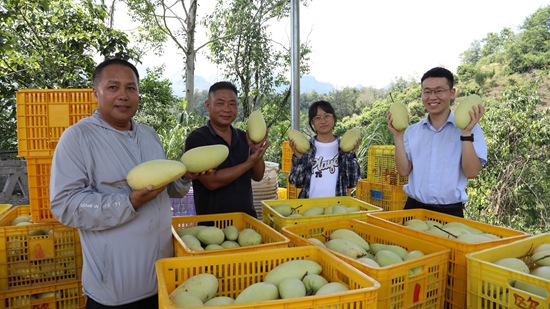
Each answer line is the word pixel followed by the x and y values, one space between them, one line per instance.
pixel 435 207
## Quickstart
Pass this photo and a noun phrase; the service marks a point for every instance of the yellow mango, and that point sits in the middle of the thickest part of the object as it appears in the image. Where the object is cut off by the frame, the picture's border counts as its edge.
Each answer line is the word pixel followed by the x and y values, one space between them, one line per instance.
pixel 231 232
pixel 314 211
pixel 386 258
pixel 349 139
pixel 313 283
pixel 204 158
pixel 257 292
pixel 399 115
pixel 292 288
pixel 302 143
pixel 204 286
pixel 186 300
pixel 256 126
pixel 211 235
pixel 331 288
pixel 219 301
pixel 20 219
pixel 155 172
pixel 191 240
pixel 462 117
pixel 293 268
pixel 249 237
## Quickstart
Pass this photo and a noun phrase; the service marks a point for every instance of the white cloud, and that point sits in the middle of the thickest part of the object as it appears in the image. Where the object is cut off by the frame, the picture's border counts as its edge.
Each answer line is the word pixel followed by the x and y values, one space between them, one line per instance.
pixel 372 42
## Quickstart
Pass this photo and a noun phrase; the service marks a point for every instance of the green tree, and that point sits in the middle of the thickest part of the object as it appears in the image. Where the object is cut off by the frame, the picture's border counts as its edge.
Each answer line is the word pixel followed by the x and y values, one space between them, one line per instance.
pixel 471 55
pixel 531 50
pixel 513 188
pixel 174 20
pixel 248 56
pixel 158 107
pixel 344 101
pixel 495 43
pixel 50 44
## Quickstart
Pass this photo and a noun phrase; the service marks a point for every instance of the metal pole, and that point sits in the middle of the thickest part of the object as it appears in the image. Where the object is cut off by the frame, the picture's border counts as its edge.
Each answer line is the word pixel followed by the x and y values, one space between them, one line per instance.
pixel 295 64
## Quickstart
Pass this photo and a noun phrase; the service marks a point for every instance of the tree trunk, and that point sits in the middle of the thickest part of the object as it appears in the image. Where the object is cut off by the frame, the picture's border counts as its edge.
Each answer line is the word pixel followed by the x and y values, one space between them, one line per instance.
pixel 190 59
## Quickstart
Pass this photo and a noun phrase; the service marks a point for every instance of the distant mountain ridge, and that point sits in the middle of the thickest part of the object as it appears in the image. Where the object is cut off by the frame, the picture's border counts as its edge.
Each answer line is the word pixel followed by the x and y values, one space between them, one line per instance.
pixel 307 84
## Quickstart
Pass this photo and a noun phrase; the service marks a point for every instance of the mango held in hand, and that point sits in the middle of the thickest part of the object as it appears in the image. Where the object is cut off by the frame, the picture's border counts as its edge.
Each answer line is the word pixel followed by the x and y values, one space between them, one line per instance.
pixel 302 143
pixel 347 143
pixel 204 158
pixel 462 117
pixel 256 126
pixel 155 172
pixel 399 115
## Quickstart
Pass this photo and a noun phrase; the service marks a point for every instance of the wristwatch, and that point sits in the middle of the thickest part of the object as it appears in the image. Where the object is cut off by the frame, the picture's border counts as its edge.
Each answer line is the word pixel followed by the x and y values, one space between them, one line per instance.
pixel 467 138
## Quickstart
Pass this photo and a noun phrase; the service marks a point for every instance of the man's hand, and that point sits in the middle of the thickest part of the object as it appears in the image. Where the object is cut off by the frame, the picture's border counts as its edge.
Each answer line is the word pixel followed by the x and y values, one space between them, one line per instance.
pixel 476 113
pixel 254 147
pixel 393 130
pixel 140 197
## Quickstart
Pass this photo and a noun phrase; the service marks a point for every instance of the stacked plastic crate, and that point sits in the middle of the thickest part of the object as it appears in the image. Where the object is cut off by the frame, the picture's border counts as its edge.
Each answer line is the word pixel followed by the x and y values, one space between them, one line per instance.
pixel 383 186
pixel 291 191
pixel 41 263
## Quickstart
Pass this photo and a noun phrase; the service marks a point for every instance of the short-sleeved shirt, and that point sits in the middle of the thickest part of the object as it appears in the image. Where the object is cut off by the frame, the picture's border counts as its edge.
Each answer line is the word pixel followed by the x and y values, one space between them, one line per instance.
pixel 234 197
pixel 437 176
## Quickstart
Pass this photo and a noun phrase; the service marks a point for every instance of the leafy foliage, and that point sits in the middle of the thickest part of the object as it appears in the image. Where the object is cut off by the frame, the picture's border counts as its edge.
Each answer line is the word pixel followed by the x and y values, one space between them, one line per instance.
pixel 513 189
pixel 242 46
pixel 158 107
pixel 50 44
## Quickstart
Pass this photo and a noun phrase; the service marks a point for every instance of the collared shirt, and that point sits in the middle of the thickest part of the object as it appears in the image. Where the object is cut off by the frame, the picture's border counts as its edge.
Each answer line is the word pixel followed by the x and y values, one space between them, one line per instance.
pixel 234 197
pixel 436 155
pixel 349 171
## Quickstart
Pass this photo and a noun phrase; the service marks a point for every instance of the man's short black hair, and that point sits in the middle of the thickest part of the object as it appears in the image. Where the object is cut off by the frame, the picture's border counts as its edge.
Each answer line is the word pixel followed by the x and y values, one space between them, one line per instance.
pixel 97 72
pixel 222 85
pixel 440 72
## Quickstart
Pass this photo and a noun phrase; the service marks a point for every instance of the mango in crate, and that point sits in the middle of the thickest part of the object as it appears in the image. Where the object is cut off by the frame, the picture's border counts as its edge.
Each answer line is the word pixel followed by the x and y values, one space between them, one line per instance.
pixel 203 286
pixel 294 268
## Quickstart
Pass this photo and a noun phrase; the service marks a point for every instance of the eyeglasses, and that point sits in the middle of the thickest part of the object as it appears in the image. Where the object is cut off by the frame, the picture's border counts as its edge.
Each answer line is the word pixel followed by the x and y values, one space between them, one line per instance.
pixel 325 117
pixel 438 92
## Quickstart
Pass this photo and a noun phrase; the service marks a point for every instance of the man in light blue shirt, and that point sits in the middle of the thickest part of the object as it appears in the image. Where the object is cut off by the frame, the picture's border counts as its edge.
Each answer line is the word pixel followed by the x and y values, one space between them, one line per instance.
pixel 438 156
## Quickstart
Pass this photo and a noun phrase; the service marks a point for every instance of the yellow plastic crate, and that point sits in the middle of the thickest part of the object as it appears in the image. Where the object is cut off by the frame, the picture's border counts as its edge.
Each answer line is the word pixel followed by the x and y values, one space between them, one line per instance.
pixel 271 239
pixel 43 115
pixel 277 221
pixel 398 289
pixel 381 166
pixel 291 191
pixel 55 296
pixel 4 208
pixel 237 271
pixel 286 157
pixel 38 171
pixel 489 284
pixel 455 296
pixel 27 261
pixel 388 197
pixel 281 193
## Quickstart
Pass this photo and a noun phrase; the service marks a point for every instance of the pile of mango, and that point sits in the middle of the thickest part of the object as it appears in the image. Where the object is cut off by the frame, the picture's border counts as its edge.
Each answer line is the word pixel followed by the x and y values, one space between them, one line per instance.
pixel 291 279
pixel 452 230
pixel 204 238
